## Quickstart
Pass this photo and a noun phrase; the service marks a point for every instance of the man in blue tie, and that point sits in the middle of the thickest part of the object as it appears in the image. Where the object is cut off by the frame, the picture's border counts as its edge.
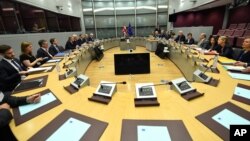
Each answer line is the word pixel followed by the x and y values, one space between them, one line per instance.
pixel 11 70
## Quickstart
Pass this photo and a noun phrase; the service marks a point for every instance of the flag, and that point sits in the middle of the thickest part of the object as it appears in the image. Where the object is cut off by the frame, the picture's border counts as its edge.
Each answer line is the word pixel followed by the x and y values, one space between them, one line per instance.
pixel 130 30
pixel 124 30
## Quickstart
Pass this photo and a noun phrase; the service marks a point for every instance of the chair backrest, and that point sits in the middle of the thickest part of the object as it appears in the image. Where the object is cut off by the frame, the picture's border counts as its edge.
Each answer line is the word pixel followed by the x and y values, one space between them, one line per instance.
pixel 241 26
pixel 239 32
pixel 221 32
pixel 236 53
pixel 229 32
pixel 232 26
pixel 247 33
pixel 248 26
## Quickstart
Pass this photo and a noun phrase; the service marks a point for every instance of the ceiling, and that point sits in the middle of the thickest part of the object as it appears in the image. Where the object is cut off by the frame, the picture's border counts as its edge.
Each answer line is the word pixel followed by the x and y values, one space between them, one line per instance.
pixel 213 4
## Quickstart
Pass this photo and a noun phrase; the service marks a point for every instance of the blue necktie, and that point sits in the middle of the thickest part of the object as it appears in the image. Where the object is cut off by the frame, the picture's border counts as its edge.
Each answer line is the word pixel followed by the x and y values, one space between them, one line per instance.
pixel 17 65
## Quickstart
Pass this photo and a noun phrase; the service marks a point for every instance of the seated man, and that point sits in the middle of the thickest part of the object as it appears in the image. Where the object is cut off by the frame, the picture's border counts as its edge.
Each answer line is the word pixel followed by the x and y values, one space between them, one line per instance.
pixel 203 43
pixel 180 38
pixel 11 70
pixel 91 37
pixel 6 102
pixel 190 39
pixel 43 52
pixel 245 54
pixel 35 28
pixel 54 47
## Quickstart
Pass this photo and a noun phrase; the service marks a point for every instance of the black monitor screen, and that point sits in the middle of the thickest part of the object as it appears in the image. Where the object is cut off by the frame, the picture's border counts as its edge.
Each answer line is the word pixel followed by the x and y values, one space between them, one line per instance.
pixel 136 63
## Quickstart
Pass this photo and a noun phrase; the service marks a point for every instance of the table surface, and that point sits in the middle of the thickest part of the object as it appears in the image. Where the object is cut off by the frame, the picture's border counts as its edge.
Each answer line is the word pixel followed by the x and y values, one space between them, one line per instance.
pixel 172 105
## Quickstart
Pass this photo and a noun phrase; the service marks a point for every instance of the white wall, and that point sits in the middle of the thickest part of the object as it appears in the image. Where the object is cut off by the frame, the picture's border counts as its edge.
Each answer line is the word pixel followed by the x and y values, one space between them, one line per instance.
pixel 15 40
pixel 69 7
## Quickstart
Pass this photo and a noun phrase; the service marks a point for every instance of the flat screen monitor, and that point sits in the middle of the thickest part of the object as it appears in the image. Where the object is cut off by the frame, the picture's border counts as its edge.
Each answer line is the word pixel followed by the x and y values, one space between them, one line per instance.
pixel 134 63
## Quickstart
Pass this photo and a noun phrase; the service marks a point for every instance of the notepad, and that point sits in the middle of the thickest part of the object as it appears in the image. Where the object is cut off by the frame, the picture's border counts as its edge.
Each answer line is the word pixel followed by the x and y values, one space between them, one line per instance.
pixel 239 76
pixel 227 118
pixel 72 130
pixel 153 133
pixel 242 92
pixel 54 60
pixel 45 99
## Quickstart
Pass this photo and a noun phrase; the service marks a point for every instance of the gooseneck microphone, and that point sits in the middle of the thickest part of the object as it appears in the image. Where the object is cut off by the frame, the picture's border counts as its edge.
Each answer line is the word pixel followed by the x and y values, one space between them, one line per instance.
pixel 123 82
pixel 165 83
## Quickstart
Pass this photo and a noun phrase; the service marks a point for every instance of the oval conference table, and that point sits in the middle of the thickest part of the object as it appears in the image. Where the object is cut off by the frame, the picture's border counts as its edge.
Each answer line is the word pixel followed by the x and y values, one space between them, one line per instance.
pixel 172 106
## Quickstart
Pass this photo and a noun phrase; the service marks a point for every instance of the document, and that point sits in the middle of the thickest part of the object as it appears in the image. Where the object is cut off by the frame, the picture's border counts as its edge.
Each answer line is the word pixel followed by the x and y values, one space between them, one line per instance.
pixel 227 118
pixel 31 70
pixel 60 54
pixel 239 76
pixel 242 92
pixel 54 60
pixel 72 130
pixel 153 133
pixel 45 99
pixel 237 68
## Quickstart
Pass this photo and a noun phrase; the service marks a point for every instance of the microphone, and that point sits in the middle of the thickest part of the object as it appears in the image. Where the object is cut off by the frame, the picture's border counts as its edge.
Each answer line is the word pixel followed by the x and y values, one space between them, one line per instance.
pixel 164 82
pixel 123 82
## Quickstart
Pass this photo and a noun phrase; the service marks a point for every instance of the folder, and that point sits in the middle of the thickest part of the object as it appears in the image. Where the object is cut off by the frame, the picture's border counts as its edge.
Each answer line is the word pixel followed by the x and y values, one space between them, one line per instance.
pixel 176 129
pixel 93 132
pixel 220 128
pixel 242 93
pixel 21 117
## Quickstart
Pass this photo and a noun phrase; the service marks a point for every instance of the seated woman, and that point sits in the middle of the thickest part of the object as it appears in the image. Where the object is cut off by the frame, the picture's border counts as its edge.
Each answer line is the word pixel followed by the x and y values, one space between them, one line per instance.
pixel 245 53
pixel 190 39
pixel 70 44
pixel 27 58
pixel 223 48
pixel 213 43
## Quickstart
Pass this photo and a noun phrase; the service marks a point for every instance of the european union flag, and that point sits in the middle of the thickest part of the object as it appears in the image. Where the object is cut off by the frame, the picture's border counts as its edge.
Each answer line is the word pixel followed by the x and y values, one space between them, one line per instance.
pixel 130 30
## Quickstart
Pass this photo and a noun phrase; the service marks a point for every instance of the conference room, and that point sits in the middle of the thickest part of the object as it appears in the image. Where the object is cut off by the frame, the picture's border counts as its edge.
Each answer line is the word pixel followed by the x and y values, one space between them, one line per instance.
pixel 129 70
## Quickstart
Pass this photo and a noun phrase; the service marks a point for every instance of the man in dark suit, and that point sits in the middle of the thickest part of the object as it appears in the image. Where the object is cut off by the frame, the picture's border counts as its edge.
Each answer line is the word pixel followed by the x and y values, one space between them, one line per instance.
pixel 180 38
pixel 43 52
pixel 54 47
pixel 190 39
pixel 7 101
pixel 91 37
pixel 81 39
pixel 11 70
pixel 203 42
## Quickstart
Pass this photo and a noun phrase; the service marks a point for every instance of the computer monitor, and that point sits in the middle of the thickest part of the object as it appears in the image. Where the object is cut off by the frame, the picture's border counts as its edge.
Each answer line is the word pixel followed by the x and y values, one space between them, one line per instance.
pixel 133 63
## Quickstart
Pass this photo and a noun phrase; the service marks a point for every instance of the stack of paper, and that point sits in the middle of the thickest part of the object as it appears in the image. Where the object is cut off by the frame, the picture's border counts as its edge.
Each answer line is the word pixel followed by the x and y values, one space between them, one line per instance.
pixel 41 69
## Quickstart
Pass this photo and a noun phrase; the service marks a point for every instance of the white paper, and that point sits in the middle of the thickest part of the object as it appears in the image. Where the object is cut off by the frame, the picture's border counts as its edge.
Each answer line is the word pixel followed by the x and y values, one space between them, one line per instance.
pixel 39 69
pixel 242 92
pixel 45 99
pixel 238 68
pixel 54 60
pixel 153 133
pixel 72 130
pixel 1 96
pixel 227 118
